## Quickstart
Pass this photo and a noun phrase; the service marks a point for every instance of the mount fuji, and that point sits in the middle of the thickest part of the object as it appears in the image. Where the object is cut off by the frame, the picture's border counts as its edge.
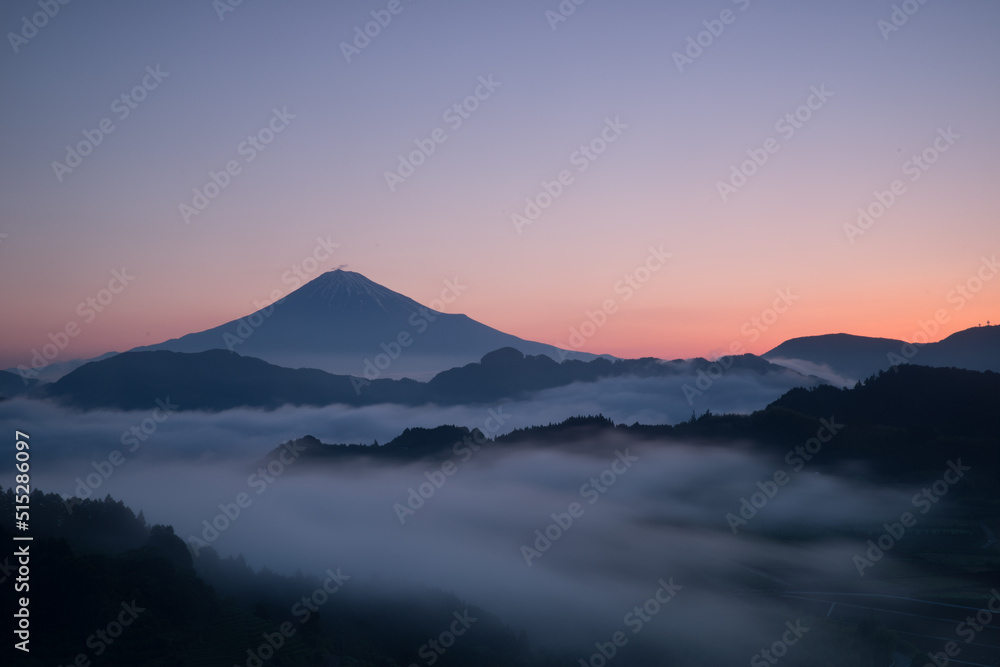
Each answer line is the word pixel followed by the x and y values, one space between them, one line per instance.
pixel 342 322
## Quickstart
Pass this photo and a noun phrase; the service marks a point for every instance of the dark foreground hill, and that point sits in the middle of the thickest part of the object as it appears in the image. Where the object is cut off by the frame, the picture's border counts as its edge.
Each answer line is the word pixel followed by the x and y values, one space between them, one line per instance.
pixel 107 590
pixel 902 424
pixel 119 593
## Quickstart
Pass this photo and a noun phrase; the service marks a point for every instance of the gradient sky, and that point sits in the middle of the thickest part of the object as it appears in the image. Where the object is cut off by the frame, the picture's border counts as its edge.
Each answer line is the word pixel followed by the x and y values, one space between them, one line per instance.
pixel 656 185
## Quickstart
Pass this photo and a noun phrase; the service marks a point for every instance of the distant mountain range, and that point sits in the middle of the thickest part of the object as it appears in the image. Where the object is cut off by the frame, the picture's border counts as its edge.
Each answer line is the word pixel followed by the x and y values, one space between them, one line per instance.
pixel 344 323
pixel 845 359
pixel 220 380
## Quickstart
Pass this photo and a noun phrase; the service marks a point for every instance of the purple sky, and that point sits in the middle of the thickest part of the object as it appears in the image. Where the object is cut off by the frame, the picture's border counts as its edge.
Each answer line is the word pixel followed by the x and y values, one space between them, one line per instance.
pixel 645 145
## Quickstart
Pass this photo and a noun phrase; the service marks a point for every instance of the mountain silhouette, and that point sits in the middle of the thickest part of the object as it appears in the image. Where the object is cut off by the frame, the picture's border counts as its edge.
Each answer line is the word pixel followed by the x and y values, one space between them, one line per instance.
pixel 904 424
pixel 220 380
pixel 214 380
pixel 852 358
pixel 344 323
pixel 11 384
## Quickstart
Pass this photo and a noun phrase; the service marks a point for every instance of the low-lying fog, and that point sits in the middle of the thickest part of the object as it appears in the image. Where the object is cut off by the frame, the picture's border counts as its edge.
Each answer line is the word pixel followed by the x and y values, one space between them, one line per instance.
pixel 643 513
